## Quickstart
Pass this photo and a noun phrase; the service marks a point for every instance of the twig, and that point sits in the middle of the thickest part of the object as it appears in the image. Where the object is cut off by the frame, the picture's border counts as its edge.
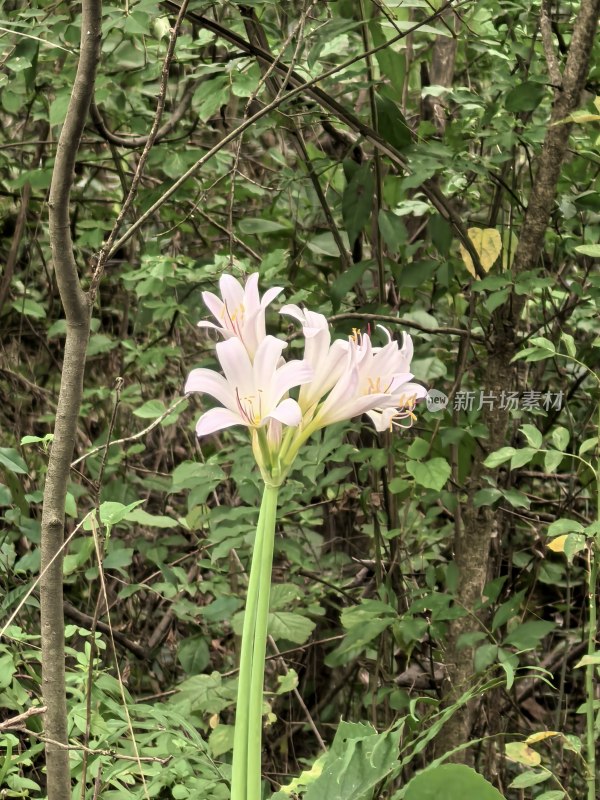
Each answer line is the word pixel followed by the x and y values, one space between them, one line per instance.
pixel 132 438
pixel 17 722
pixel 406 323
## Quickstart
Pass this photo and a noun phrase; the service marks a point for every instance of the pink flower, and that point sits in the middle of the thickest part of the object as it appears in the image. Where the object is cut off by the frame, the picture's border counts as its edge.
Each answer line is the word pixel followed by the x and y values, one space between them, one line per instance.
pixel 374 381
pixel 241 312
pixel 250 392
pixel 327 360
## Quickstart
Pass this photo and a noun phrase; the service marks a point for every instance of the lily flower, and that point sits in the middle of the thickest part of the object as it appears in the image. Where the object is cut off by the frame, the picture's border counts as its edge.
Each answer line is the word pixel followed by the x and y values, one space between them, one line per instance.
pixel 241 312
pixel 375 381
pixel 327 360
pixel 250 392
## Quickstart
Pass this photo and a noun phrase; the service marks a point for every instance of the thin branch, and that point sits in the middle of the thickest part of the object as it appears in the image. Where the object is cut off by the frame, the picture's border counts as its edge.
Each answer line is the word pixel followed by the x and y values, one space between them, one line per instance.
pixel 133 142
pixel 102 257
pixel 17 722
pixel 405 323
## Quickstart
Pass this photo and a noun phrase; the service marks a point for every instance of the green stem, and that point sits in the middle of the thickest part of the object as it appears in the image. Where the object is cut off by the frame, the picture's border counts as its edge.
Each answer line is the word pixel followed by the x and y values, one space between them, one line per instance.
pixel 260 645
pixel 246 780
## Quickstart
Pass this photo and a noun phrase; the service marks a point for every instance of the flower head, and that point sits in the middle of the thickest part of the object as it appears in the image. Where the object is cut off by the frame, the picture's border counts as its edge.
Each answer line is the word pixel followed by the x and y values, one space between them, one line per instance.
pixel 327 360
pixel 241 311
pixel 374 381
pixel 250 392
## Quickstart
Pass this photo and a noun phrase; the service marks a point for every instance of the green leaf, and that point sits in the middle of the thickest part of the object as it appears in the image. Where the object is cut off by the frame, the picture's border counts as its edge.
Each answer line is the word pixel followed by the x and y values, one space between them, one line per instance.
pixel 10 459
pixel 290 626
pixel 7 670
pixel 29 307
pixel 220 741
pixel 533 435
pixel 527 635
pixel 287 682
pixel 150 520
pixel 522 457
pixel 152 409
pixel 525 97
pixel 359 759
pixel 431 474
pixel 391 123
pixel 119 559
pixel 552 459
pixel 499 457
pixel 592 250
pixel 112 513
pixel 357 201
pixel 451 782
pixel 560 438
pixel 193 654
pixel 529 778
pixel 561 526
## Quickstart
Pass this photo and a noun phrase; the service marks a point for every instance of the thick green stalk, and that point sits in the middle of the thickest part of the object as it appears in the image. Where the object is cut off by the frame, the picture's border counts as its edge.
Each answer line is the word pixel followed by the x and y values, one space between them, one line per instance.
pixel 260 644
pixel 246 774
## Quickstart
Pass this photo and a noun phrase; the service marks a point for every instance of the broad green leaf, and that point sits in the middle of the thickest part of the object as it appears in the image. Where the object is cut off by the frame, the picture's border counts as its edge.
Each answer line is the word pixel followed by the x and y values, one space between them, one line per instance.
pixel 589 659
pixel 451 782
pixel 431 474
pixel 499 457
pixel 560 438
pixel 525 97
pixel 564 526
pixel 220 740
pixel 522 457
pixel 112 513
pixel 359 759
pixel 194 655
pixel 533 436
pixel 357 201
pixel 528 634
pixel 290 626
pixel 552 459
pixel 592 250
pixel 529 778
pixel 391 123
pixel 11 459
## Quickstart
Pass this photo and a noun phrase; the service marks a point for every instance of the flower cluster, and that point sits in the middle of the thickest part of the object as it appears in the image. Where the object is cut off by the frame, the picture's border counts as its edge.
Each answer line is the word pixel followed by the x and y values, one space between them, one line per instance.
pixel 337 380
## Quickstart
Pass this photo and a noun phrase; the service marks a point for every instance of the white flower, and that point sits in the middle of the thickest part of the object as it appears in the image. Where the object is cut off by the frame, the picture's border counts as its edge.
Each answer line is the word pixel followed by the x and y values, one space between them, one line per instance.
pixel 375 381
pixel 241 312
pixel 250 392
pixel 327 360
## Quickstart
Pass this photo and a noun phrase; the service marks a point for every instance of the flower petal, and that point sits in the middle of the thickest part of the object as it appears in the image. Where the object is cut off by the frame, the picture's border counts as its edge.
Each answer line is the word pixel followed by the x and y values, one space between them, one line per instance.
pixel 265 364
pixel 215 305
pixel 207 381
pixel 236 364
pixel 294 373
pixel 215 419
pixel 231 292
pixel 288 412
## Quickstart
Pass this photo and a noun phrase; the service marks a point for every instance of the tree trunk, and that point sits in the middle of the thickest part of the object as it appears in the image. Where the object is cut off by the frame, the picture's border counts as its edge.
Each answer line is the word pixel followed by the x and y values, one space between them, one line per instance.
pixel 77 313
pixel 479 525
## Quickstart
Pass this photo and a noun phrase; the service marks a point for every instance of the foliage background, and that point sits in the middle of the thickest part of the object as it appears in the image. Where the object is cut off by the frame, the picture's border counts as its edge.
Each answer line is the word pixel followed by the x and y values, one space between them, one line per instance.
pixel 365 581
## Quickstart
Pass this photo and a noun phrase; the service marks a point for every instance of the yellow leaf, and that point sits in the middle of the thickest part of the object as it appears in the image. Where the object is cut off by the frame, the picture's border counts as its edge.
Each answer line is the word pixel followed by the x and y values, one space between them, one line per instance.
pixel 557 545
pixel 213 721
pixel 539 737
pixel 488 245
pixel 522 754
